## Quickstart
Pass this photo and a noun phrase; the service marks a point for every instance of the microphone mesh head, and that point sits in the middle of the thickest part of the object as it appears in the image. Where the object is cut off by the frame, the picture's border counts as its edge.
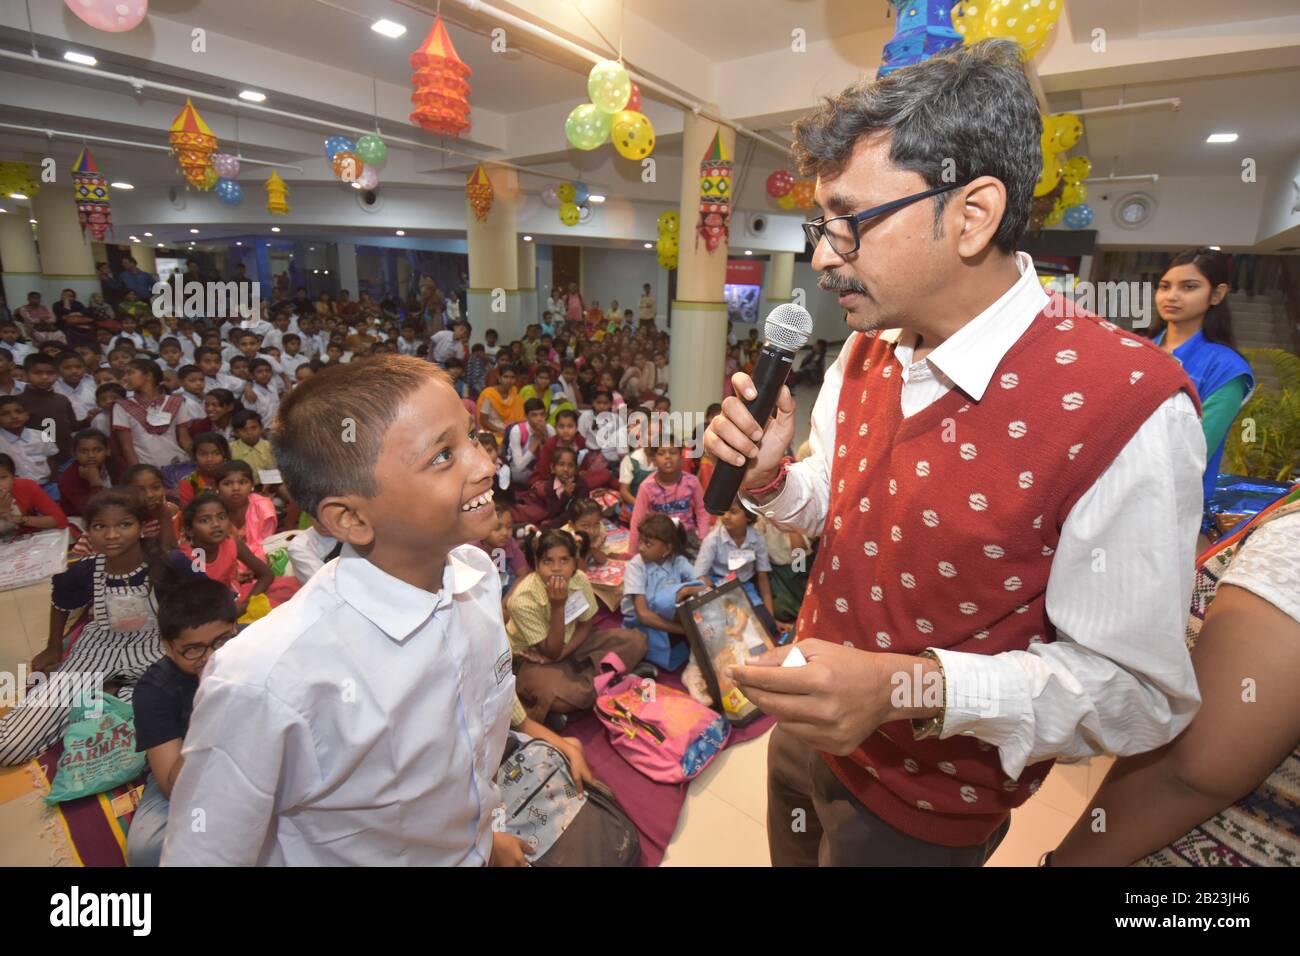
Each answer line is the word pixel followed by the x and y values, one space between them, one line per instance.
pixel 788 327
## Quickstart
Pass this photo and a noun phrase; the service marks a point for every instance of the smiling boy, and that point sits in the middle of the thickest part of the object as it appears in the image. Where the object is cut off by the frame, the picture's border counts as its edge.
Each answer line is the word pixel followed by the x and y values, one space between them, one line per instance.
pixel 362 722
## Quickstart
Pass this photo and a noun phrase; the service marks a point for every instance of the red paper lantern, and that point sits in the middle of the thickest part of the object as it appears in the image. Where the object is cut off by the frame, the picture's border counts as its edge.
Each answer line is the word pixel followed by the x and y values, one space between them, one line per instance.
pixel 441 88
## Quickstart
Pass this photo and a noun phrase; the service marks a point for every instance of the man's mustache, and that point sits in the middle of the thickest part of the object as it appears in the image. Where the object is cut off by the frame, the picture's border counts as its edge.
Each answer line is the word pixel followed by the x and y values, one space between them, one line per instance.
pixel 834 282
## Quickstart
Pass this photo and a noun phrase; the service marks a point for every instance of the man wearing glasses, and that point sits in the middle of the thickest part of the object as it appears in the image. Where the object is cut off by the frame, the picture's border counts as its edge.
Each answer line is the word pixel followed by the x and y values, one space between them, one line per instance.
pixel 1007 498
pixel 195 619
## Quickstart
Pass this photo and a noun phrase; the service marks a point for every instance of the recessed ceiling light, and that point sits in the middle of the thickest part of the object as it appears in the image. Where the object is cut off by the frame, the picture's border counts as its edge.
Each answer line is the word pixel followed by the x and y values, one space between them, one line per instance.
pixel 315 272
pixel 327 272
pixel 749 252
pixel 1221 138
pixel 121 186
pixel 311 248
pixel 194 232
pixel 32 221
pixel 17 195
pixel 355 185
pixel 595 198
pixel 275 228
pixel 401 232
pixel 649 245
pixel 1216 248
pixel 4 210
pixel 135 238
pixel 82 58
pixel 528 238
pixel 252 96
pixel 148 235
pixel 158 244
pixel 238 243
pixel 388 28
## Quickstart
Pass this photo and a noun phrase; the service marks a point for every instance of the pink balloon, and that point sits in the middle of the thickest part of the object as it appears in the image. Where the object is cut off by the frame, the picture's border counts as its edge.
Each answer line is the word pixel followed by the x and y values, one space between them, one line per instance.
pixel 369 177
pixel 227 166
pixel 112 16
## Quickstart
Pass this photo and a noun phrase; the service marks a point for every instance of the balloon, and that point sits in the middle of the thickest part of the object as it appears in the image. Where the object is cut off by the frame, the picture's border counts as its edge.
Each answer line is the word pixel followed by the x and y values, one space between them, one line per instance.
pixel 569 214
pixel 580 193
pixel 338 144
pixel 668 245
pixel 584 213
pixel 369 178
pixel 786 201
pixel 371 149
pixel 230 192
pixel 669 221
pixel 632 134
pixel 1055 216
pixel 803 192
pixel 1076 169
pixel 1073 194
pixel 209 179
pixel 1078 217
pixel 567 193
pixel 1066 128
pixel 227 166
pixel 1048 176
pixel 550 196
pixel 1028 22
pixel 111 16
pixel 609 86
pixel 347 166
pixel 587 127
pixel 634 99
pixel 780 183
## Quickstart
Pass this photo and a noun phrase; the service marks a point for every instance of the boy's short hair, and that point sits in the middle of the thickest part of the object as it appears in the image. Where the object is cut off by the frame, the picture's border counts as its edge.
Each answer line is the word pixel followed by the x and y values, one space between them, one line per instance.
pixel 7 400
pixel 68 357
pixel 243 417
pixel 222 396
pixel 599 392
pixel 255 364
pixel 203 350
pixel 233 467
pixel 362 398
pixel 454 362
pixel 478 347
pixel 567 413
pixel 37 358
pixel 187 370
pixel 241 358
pixel 169 340
pixel 7 464
pixel 110 388
pixel 89 434
pixel 291 337
pixel 534 405
pixel 194 603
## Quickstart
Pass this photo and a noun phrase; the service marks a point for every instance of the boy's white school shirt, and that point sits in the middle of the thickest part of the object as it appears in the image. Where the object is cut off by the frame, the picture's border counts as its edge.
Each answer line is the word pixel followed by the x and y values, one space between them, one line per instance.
pixel 31 454
pixel 359 724
pixel 82 397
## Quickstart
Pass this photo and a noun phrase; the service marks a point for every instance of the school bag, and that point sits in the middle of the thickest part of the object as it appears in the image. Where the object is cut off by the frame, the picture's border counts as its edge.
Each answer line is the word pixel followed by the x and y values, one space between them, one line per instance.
pixel 661 731
pixel 542 807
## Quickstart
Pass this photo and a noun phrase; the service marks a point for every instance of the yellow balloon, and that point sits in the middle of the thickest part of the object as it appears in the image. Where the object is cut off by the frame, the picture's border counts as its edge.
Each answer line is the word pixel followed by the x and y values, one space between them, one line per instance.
pixel 1072 195
pixel 569 214
pixel 1066 130
pixel 1076 169
pixel 632 134
pixel 566 192
pixel 1049 176
pixel 786 201
pixel 1055 216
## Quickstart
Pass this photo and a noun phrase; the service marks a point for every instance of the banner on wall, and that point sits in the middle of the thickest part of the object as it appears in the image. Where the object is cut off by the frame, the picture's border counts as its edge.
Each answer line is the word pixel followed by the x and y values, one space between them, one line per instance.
pixel 745 272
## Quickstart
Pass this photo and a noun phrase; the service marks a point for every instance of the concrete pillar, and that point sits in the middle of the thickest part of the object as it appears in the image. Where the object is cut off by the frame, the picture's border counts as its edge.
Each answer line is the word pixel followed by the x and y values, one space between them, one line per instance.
pixel 67 261
pixel 494 300
pixel 699 334
pixel 347 253
pixel 780 280
pixel 22 267
pixel 527 282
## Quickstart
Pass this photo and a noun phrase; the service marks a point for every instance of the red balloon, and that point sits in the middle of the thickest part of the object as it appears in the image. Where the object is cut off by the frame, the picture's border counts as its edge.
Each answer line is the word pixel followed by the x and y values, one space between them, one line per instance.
pixel 634 100
pixel 780 183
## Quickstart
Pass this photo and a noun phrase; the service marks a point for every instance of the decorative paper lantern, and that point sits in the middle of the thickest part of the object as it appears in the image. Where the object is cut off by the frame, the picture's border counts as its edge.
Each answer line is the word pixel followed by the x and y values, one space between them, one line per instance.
pixel 111 16
pixel 804 192
pixel 551 196
pixel 277 195
pixel 569 214
pixel 634 98
pixel 347 166
pixel 609 86
pixel 369 178
pixel 780 183
pixel 194 143
pixel 372 150
pixel 921 29
pixel 230 192
pixel 90 192
pixel 715 194
pixel 441 94
pixel 567 192
pixel 1078 217
pixel 1076 169
pixel 18 178
pixel 586 126
pixel 632 134
pixel 227 166
pixel 479 190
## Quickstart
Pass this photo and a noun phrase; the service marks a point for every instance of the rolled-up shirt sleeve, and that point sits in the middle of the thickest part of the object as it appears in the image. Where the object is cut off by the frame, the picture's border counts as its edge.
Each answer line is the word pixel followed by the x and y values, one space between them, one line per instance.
pixel 1118 679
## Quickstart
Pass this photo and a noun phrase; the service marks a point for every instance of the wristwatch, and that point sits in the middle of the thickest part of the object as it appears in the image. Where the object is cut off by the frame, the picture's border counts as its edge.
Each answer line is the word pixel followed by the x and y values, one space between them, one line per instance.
pixel 927 727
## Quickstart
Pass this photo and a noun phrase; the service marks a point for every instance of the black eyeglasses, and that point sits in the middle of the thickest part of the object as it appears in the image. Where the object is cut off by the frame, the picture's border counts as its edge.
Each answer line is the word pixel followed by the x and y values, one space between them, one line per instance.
pixel 843 232
pixel 195 651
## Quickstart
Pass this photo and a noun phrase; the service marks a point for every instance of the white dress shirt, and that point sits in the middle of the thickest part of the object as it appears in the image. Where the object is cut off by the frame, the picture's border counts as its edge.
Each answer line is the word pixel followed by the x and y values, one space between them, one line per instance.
pixel 359 724
pixel 445 346
pixel 1118 678
pixel 31 453
pixel 82 397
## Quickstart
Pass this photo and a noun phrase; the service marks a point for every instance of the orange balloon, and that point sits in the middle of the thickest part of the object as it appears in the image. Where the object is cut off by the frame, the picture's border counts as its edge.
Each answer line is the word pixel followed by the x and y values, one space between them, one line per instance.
pixel 803 192
pixel 347 166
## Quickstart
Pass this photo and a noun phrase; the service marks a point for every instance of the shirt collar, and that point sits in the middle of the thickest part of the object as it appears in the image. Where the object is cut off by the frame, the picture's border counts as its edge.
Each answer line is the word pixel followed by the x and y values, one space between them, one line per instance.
pixel 971 355
pixel 395 607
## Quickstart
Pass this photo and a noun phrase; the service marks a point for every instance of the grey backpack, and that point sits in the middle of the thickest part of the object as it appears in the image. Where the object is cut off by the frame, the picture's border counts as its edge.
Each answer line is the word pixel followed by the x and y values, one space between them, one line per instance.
pixel 560 828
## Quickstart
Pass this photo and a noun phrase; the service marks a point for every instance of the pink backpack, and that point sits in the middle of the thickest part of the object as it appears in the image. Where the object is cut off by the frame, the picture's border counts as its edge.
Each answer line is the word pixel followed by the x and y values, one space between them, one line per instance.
pixel 663 732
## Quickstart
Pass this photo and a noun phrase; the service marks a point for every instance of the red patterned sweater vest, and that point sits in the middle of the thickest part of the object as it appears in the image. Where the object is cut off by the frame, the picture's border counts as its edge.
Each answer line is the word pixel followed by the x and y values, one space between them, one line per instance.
pixel 941 531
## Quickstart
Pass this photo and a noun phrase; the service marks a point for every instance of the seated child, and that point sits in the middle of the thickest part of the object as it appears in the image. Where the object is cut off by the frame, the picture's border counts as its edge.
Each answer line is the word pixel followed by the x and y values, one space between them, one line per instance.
pixel 120 584
pixel 556 650
pixel 24 507
pixel 585 518
pixel 195 620
pixel 310 550
pixel 210 451
pixel 220 406
pixel 672 492
pixel 501 546
pixel 734 546
pixel 523 442
pixel 162 518
pixel 387 701
pixel 191 382
pixel 252 445
pixel 791 556
pixel 88 473
pixel 500 405
pixel 218 552
pixel 656 580
pixel 77 387
pixel 32 454
pixel 546 503
pixel 591 465
pixel 251 514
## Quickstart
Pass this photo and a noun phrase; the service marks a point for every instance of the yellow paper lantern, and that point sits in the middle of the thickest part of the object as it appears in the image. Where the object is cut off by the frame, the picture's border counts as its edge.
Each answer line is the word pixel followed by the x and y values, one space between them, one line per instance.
pixel 478 189
pixel 277 195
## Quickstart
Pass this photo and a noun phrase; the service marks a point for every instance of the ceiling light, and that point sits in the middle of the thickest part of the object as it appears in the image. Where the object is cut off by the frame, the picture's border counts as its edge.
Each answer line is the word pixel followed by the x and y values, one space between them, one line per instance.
pixel 1221 138
pixel 649 245
pixel 135 238
pixel 327 272
pixel 388 28
pixel 311 248
pixel 749 252
pixel 528 238
pixel 32 221
pixel 148 235
pixel 194 232
pixel 315 272
pixel 252 96
pixel 355 184
pixel 595 198
pixel 4 210
pixel 275 228
pixel 17 195
pixel 158 244
pixel 401 232
pixel 121 186
pixel 81 58
pixel 1216 248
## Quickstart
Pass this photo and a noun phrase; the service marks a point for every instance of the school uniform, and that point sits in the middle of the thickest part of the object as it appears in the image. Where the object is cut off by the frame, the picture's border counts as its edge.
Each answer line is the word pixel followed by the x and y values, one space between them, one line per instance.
pixel 361 724
pixel 82 396
pixel 14 388
pixel 291 363
pixel 309 551
pixel 266 403
pixel 658 582
pixel 163 704
pixel 31 453
pixel 153 433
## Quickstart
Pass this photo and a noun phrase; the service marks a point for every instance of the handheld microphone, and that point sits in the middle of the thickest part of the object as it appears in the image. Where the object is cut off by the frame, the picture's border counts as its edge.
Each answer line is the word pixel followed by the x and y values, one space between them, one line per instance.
pixel 786 332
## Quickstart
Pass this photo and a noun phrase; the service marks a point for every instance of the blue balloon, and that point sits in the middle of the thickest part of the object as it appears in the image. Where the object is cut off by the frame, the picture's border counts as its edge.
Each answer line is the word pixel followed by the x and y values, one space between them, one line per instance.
pixel 338 144
pixel 580 193
pixel 230 192
pixel 1078 217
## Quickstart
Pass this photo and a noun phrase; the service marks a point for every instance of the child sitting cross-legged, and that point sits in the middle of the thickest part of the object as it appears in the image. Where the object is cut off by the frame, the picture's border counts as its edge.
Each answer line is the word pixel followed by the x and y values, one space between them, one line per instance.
pixel 557 650
pixel 195 619
pixel 162 517
pixel 675 494
pixel 546 503
pixel 362 722
pixel 656 580
pixel 213 548
pixel 24 507
pixel 735 546
pixel 210 452
pixel 252 515
pixel 88 473
pixel 252 445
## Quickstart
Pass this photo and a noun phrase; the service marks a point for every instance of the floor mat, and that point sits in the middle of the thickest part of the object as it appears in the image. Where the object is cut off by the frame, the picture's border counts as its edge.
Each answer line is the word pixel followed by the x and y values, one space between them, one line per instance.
pixel 95 826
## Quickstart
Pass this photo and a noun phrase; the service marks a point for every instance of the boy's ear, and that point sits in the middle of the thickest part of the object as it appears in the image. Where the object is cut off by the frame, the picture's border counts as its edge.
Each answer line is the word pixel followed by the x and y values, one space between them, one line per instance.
pixel 344 518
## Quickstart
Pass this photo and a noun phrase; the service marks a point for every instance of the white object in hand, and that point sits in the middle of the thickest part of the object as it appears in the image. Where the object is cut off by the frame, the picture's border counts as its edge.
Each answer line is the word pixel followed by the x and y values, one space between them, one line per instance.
pixel 794 659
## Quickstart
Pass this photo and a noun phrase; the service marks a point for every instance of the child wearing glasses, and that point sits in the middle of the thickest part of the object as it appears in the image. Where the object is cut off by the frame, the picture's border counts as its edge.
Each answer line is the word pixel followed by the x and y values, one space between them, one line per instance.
pixel 194 620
